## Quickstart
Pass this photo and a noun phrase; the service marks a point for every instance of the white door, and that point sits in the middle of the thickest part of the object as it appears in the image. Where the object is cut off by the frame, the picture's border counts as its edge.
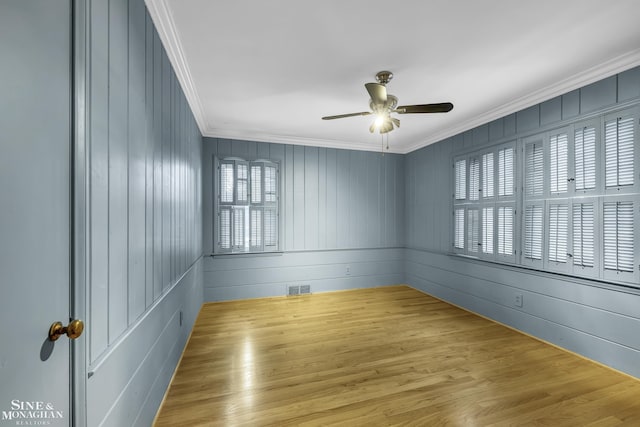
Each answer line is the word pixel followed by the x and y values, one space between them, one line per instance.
pixel 35 147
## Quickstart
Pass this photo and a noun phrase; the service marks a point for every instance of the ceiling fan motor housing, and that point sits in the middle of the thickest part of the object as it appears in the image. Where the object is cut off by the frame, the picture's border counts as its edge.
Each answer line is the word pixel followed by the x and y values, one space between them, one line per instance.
pixel 390 104
pixel 384 77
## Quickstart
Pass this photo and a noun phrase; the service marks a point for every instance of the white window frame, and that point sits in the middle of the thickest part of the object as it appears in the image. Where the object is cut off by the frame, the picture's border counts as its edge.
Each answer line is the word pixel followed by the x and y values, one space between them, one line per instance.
pixel 250 243
pixel 596 196
pixel 487 174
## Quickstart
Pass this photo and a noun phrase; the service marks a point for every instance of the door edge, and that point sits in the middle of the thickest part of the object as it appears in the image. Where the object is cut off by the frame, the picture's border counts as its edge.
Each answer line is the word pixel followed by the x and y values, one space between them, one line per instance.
pixel 80 23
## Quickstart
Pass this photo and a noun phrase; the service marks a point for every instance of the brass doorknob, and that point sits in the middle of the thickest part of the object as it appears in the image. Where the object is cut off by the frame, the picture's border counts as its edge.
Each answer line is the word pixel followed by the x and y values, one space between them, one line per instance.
pixel 73 331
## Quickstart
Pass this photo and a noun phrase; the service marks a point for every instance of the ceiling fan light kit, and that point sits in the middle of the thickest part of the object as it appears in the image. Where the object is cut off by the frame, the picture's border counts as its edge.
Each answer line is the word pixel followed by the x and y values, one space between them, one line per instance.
pixel 383 104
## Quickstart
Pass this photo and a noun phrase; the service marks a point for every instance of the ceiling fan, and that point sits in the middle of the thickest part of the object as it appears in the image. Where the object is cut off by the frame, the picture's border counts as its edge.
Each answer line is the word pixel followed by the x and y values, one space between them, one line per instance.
pixel 383 104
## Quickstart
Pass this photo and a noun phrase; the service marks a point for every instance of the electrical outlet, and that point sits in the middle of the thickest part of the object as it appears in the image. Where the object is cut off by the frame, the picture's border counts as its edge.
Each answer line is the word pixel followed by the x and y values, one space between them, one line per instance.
pixel 347 271
pixel 518 300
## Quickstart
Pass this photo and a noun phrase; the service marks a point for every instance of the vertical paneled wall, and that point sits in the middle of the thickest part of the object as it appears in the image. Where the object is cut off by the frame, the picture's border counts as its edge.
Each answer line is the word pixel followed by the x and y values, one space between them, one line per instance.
pixel 591 318
pixel 145 159
pixel 427 194
pixel 332 200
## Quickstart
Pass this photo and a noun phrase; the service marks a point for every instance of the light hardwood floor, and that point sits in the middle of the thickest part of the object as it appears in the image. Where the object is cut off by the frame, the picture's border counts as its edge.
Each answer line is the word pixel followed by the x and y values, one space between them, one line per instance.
pixel 383 356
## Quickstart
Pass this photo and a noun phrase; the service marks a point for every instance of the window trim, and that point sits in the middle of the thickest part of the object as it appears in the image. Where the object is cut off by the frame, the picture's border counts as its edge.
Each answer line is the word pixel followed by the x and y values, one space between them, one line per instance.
pixel 481 203
pixel 247 206
pixel 597 196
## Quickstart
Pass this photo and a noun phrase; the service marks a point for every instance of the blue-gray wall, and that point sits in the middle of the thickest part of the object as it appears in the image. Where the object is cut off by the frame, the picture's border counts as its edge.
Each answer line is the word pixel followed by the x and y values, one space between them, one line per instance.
pixel 145 210
pixel 341 214
pixel 595 319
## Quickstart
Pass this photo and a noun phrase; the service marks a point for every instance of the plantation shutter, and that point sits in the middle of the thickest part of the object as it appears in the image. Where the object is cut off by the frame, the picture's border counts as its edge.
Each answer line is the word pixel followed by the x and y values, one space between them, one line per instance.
pixel 534 169
pixel 226 182
pixel 270 184
pixel 238 227
pixel 487 230
pixel 255 229
pixel 533 232
pixel 246 206
pixel 619 152
pixel 505 172
pixel 585 158
pixel 558 163
pixel 474 179
pixel 270 229
pixel 256 183
pixel 505 230
pixel 473 230
pixel 458 238
pixel 461 179
pixel 618 236
pixel 583 234
pixel 558 228
pixel 224 235
pixel 487 175
pixel 242 183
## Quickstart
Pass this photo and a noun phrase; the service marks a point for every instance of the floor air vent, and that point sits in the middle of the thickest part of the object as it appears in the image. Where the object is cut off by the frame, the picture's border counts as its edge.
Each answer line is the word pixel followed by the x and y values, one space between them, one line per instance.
pixel 293 290
pixel 298 290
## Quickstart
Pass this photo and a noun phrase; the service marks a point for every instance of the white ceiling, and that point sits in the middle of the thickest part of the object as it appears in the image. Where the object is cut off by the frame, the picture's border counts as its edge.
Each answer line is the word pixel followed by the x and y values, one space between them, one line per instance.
pixel 269 70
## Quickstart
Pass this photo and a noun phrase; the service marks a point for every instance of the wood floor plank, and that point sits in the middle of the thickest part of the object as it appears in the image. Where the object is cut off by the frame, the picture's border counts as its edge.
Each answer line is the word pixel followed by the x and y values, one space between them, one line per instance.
pixel 382 356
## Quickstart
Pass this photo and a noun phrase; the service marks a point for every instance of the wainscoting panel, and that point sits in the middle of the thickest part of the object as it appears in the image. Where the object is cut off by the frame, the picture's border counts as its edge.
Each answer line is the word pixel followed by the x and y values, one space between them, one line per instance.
pixel 132 378
pixel 236 277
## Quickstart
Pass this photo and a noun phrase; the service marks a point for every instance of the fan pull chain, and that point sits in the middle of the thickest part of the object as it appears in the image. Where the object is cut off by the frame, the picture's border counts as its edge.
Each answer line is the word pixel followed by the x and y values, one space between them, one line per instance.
pixel 382 135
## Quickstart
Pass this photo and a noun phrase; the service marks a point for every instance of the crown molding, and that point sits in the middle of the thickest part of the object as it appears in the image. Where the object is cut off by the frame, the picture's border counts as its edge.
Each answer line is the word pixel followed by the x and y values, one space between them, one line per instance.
pixel 244 135
pixel 599 72
pixel 161 17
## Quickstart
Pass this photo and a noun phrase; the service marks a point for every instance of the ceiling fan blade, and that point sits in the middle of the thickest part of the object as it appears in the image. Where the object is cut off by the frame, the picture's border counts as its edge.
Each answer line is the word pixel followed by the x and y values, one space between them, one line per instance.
pixel 444 107
pixel 342 116
pixel 377 92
